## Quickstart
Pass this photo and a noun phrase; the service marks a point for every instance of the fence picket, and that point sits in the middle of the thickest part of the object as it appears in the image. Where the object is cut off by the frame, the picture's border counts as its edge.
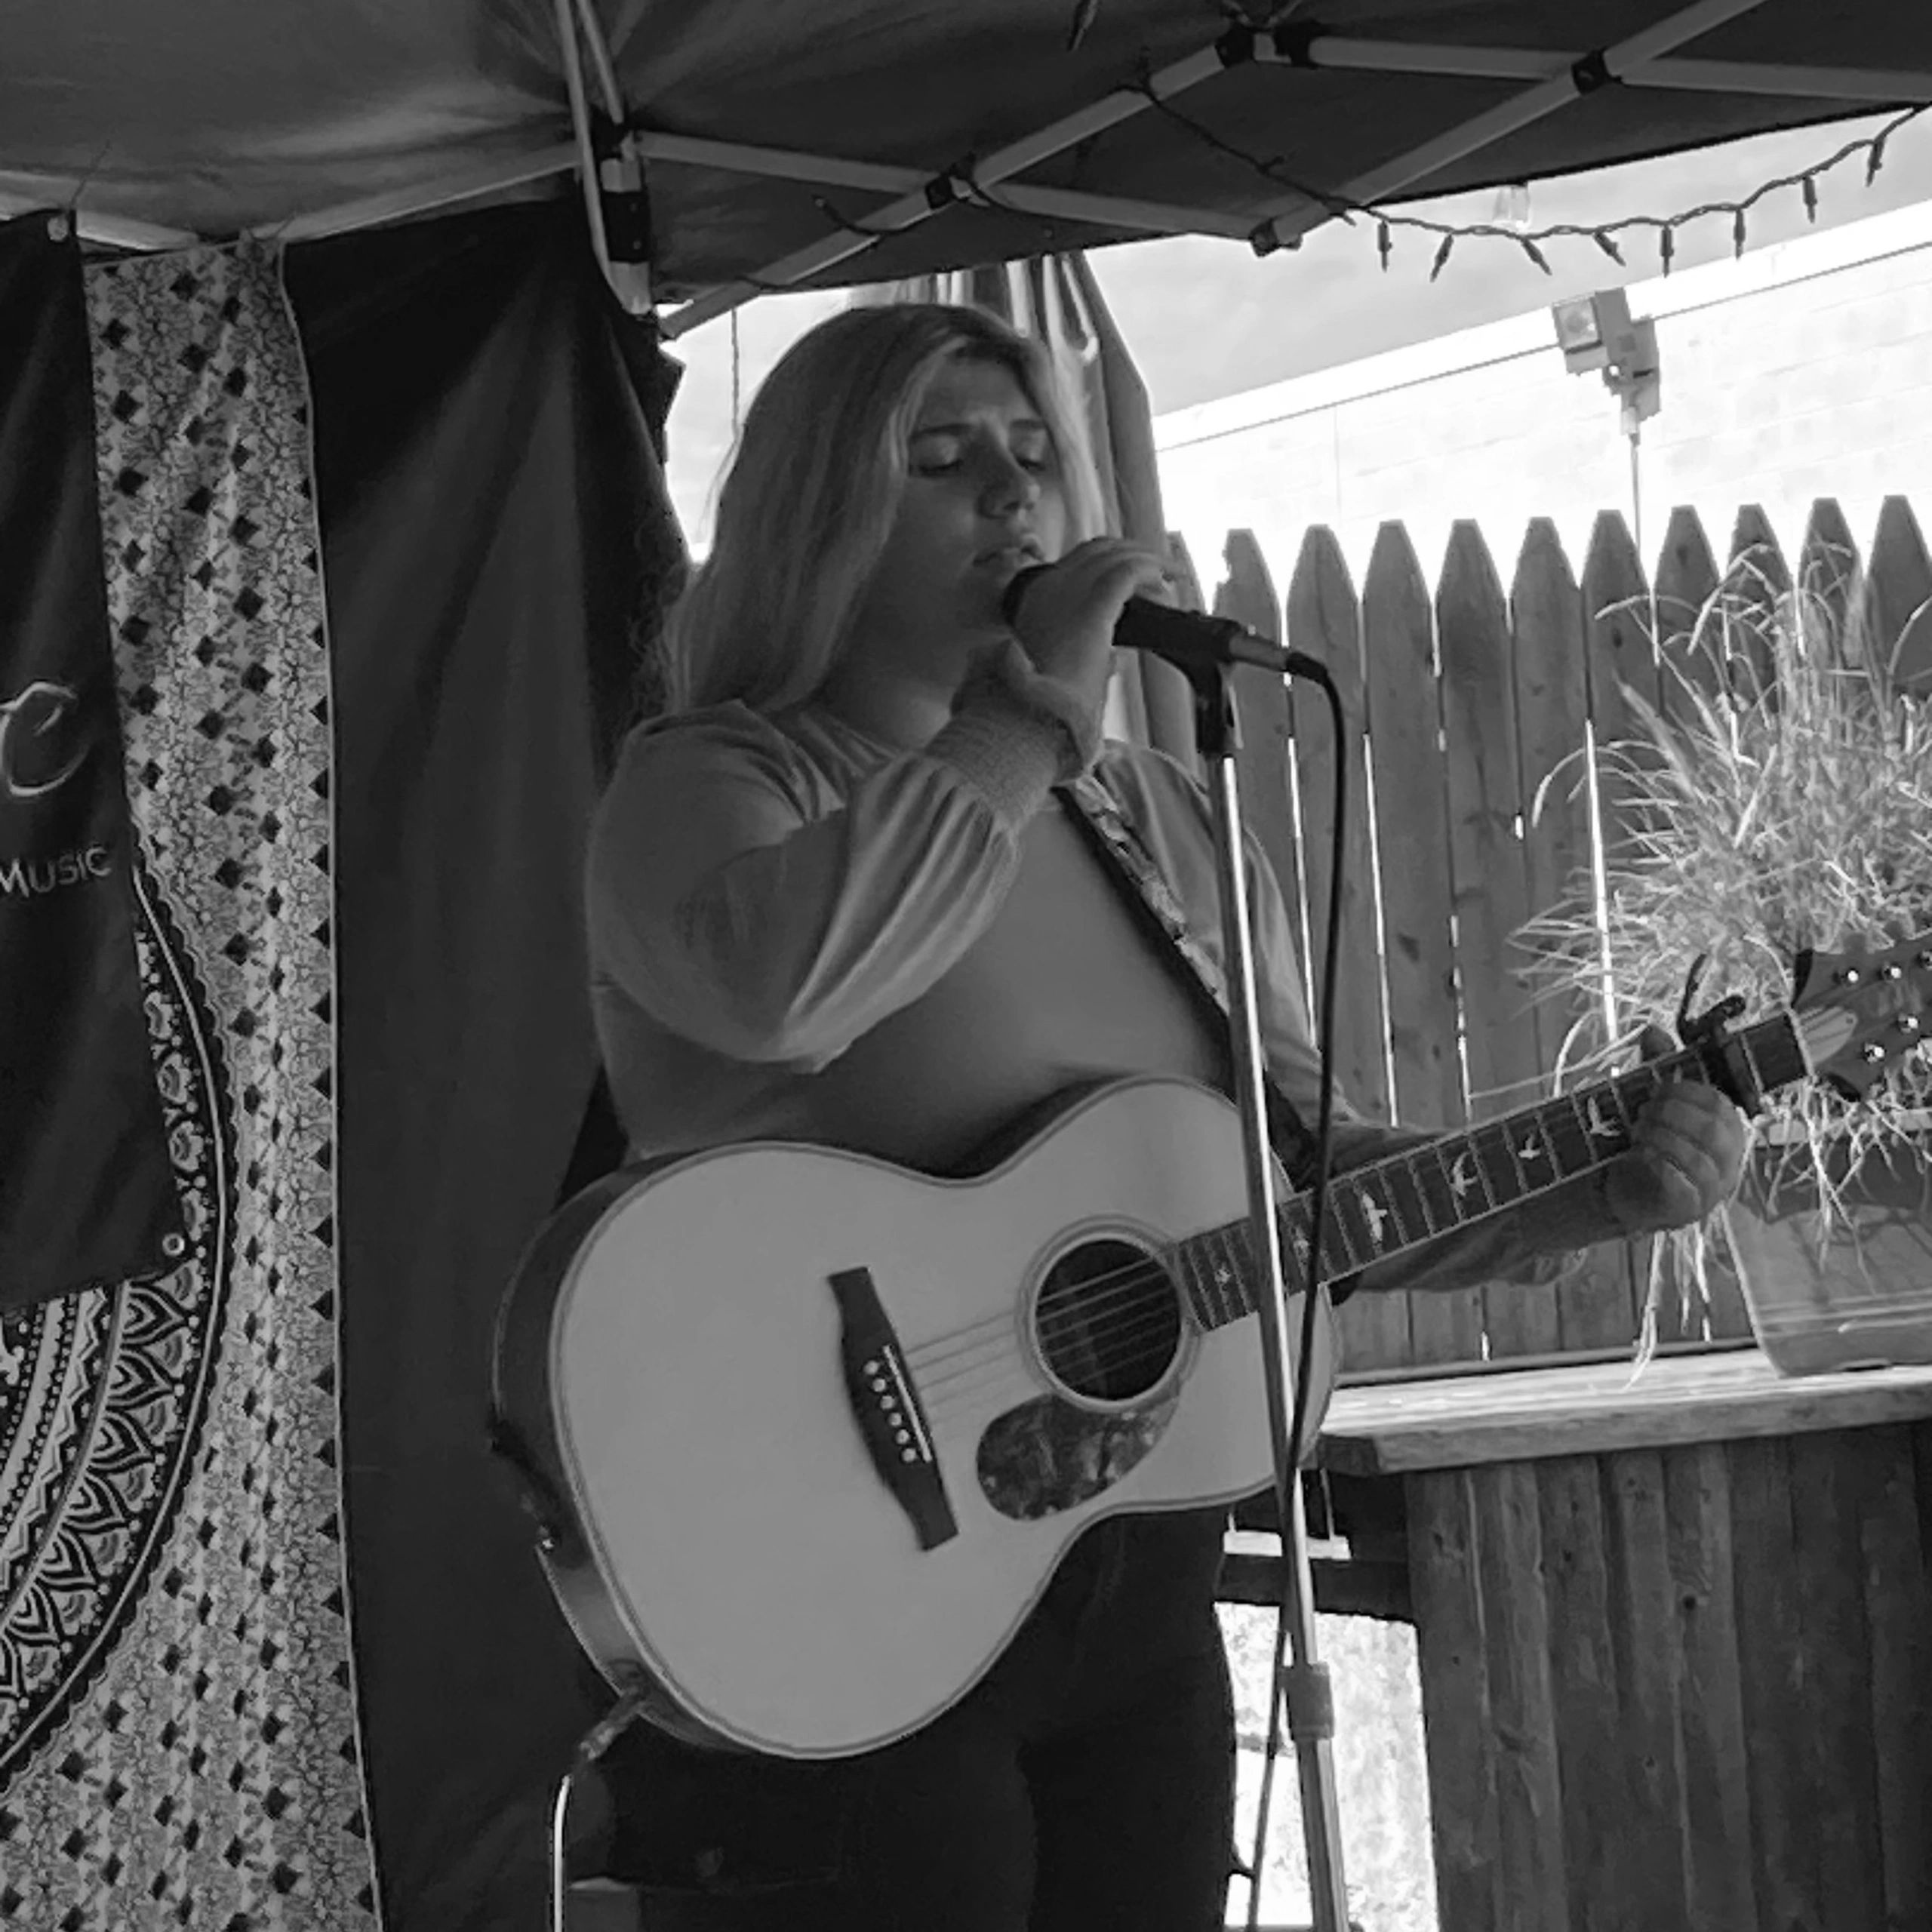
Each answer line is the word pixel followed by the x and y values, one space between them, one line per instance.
pixel 1247 594
pixel 1898 581
pixel 1758 582
pixel 1620 654
pixel 1325 619
pixel 1411 791
pixel 1489 879
pixel 1689 636
pixel 1186 578
pixel 1596 1307
pixel 1829 571
pixel 1622 657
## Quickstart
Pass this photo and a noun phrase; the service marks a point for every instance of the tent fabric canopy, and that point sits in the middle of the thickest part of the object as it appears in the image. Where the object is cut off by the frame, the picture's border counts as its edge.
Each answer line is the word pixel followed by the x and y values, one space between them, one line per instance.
pixel 222 116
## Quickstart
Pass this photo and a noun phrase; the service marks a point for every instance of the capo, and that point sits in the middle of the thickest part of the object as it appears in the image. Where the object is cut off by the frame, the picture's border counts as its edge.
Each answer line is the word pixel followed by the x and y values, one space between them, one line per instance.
pixel 1706 1035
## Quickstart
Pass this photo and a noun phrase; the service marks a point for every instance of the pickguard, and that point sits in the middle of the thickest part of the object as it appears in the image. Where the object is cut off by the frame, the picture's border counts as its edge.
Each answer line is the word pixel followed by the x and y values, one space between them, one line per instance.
pixel 1049 1455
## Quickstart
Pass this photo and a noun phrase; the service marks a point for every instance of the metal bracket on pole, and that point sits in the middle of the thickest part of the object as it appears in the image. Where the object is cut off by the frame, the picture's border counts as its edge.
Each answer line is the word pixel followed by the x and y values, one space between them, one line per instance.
pixel 610 164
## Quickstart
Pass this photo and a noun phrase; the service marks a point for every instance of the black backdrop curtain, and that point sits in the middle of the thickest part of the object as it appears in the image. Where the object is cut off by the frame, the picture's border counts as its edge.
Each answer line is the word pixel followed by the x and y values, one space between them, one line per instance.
pixel 488 433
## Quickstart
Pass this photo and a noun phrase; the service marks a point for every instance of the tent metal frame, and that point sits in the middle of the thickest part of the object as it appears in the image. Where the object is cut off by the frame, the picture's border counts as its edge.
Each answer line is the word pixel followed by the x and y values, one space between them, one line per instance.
pixel 912 196
pixel 1556 80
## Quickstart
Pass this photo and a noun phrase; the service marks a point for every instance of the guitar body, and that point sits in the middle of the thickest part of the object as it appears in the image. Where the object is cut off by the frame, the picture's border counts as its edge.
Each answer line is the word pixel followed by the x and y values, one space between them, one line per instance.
pixel 809 1433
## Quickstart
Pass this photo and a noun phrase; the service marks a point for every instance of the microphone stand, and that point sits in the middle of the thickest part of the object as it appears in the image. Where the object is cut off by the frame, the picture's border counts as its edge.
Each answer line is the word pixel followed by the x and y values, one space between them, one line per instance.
pixel 1305 1688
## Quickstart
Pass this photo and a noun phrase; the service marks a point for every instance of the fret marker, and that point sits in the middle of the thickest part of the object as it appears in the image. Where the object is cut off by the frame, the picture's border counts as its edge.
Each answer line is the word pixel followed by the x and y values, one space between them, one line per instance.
pixel 1374 1213
pixel 1462 1177
pixel 1530 1150
pixel 1598 1126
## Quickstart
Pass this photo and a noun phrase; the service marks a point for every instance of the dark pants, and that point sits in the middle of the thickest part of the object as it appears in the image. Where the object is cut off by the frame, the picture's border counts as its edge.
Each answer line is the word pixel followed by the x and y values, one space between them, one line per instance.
pixel 1087 1780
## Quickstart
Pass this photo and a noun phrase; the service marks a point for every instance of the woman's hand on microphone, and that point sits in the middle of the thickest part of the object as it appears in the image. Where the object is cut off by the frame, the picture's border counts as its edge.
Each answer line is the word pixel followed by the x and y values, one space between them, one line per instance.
pixel 1067 613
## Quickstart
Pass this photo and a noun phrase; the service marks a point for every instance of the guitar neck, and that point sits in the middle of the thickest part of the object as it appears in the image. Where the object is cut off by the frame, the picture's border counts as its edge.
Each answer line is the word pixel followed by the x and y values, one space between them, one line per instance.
pixel 1411 1197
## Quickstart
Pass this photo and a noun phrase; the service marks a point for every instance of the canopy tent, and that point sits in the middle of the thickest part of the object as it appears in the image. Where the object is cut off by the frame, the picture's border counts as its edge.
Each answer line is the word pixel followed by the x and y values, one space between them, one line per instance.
pixel 370 507
pixel 973 133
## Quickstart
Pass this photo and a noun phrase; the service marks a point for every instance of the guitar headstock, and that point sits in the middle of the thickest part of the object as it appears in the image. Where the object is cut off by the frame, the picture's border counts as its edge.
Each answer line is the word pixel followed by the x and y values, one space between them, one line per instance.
pixel 1860 1012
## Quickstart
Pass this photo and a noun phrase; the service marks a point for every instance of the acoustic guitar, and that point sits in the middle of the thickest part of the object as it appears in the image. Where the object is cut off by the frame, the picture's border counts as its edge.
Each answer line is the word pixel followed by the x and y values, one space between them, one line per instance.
pixel 807 1433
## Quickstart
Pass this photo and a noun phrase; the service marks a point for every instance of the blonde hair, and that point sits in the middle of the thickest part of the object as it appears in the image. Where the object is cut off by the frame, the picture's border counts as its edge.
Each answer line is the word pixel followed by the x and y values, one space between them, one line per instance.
pixel 805 510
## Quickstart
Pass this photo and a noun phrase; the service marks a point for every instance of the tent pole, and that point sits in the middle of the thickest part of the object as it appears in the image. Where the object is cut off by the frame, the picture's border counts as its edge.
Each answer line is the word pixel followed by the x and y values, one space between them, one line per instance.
pixel 909 209
pixel 622 173
pixel 1344 52
pixel 599 46
pixel 878 177
pixel 1864 84
pixel 586 150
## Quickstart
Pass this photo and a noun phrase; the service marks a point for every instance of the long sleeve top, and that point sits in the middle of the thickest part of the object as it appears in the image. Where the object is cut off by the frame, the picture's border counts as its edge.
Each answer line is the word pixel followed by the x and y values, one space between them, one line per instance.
pixel 797 932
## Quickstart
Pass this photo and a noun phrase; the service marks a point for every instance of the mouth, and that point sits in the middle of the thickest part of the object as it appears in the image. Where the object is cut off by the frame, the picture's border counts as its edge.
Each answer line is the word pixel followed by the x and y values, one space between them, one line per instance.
pixel 1019 554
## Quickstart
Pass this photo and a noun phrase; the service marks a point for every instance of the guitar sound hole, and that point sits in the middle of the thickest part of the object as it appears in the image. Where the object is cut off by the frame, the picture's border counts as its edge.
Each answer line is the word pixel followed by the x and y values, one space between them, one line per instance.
pixel 1108 1321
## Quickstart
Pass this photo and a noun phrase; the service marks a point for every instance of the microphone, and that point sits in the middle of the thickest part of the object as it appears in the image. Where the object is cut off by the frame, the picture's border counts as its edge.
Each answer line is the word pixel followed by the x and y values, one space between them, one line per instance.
pixel 1187 639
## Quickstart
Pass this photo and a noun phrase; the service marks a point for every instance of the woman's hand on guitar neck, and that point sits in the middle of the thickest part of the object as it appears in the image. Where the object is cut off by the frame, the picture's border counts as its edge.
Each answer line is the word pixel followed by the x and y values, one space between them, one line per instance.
pixel 1690 1143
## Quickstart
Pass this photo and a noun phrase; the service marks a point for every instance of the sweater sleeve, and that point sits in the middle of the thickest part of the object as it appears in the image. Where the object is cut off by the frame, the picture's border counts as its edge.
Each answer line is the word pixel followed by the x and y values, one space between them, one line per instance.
pixel 745 905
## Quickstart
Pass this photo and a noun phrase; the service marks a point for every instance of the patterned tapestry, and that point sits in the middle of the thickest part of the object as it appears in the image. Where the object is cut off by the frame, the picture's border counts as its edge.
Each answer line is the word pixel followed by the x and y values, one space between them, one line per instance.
pixel 178 1738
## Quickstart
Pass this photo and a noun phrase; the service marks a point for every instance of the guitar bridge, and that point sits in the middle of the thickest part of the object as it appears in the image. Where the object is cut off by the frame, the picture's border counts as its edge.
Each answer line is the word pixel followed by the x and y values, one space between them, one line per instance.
pixel 887 1407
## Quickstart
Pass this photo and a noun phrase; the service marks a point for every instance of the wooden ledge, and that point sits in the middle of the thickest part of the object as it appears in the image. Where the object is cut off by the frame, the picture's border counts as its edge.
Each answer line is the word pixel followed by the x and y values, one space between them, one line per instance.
pixel 1504 1415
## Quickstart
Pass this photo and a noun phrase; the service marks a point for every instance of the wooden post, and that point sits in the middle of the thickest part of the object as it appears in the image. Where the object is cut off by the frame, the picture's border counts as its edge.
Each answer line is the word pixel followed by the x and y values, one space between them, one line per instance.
pixel 1452 1654
pixel 1722 1888
pixel 1517 1644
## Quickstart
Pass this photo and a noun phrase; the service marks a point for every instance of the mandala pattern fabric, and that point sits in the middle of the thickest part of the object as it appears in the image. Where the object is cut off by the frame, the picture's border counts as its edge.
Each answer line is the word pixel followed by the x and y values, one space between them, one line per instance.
pixel 178 1737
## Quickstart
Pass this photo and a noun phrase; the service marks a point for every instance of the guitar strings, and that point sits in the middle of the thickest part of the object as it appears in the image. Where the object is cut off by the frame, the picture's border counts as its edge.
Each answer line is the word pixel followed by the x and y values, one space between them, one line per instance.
pixel 1115 1348
pixel 1118 1347
pixel 1127 1302
pixel 939 1346
pixel 1164 1263
pixel 1152 1282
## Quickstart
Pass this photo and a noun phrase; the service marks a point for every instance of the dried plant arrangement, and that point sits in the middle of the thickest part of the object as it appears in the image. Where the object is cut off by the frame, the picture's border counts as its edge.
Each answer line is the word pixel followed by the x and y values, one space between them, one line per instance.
pixel 1780 799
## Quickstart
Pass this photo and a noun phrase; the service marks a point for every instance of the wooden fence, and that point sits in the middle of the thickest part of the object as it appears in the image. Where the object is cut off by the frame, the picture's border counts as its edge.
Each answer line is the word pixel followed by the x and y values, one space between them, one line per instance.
pixel 1460 704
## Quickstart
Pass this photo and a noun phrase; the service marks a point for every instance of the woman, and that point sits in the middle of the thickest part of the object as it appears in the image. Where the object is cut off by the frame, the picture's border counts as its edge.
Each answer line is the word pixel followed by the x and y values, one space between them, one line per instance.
pixel 840 894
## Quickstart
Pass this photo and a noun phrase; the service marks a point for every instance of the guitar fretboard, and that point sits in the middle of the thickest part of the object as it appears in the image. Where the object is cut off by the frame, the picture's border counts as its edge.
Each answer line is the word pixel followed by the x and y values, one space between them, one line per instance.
pixel 1411 1196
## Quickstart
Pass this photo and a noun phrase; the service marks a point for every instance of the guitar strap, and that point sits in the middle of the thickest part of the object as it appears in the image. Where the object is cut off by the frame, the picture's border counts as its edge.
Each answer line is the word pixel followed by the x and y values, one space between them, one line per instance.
pixel 1125 858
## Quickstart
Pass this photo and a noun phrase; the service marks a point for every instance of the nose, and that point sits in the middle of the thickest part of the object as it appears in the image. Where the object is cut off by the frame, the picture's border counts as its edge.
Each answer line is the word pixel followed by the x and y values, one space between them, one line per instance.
pixel 1008 486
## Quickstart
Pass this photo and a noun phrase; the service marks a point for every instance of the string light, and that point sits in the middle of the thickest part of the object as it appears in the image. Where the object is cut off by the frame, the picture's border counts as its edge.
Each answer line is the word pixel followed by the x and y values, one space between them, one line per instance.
pixel 1510 228
pixel 1604 234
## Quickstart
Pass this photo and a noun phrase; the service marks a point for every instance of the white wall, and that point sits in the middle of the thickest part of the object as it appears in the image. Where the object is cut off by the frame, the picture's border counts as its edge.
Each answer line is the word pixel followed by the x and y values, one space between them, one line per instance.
pixel 1802 370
